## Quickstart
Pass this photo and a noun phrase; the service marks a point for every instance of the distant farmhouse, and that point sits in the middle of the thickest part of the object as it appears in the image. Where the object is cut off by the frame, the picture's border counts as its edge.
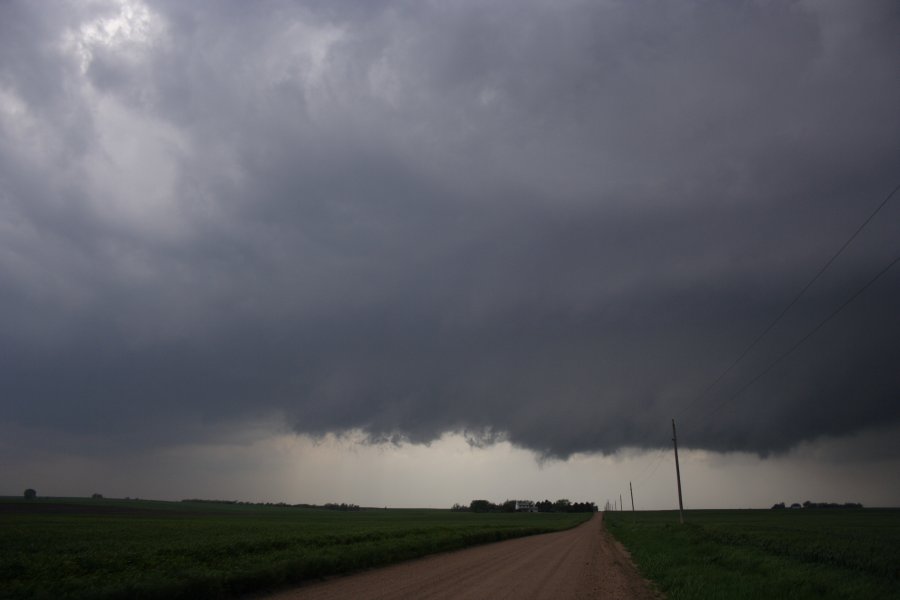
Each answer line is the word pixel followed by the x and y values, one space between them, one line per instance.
pixel 525 506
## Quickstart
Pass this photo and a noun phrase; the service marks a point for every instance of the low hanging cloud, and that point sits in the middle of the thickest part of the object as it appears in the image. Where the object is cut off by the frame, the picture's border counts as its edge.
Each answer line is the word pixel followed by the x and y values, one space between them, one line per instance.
pixel 552 223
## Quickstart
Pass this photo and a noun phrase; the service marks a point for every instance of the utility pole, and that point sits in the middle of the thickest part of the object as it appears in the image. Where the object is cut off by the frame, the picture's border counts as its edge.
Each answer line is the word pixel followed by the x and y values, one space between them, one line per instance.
pixel 678 474
pixel 621 504
pixel 631 489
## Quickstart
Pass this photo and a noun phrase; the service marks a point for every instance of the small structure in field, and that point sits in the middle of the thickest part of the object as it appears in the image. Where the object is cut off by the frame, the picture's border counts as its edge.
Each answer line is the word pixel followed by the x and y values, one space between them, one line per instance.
pixel 525 506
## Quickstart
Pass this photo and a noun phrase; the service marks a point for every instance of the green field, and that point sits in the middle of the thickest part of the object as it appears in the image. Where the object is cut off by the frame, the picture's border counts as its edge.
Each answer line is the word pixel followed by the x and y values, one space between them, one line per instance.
pixel 808 553
pixel 79 548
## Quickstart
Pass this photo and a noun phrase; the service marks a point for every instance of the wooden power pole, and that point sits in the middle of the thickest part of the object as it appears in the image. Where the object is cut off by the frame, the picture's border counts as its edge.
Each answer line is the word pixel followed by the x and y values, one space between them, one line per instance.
pixel 631 489
pixel 677 474
pixel 621 504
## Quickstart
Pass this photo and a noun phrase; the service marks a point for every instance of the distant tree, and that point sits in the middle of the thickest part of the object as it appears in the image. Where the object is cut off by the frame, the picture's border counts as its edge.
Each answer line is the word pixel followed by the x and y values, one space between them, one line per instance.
pixel 777 506
pixel 811 505
pixel 481 506
pixel 582 507
pixel 343 506
pixel 508 506
pixel 97 496
pixel 30 494
pixel 562 505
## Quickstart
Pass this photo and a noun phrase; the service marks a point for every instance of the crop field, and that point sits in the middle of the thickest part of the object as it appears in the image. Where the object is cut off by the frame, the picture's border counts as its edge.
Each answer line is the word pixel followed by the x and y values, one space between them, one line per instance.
pixel 808 553
pixel 78 548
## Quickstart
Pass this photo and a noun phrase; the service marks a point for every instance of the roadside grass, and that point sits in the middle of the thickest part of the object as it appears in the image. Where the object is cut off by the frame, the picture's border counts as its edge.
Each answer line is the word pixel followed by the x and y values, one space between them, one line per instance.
pixel 750 554
pixel 109 549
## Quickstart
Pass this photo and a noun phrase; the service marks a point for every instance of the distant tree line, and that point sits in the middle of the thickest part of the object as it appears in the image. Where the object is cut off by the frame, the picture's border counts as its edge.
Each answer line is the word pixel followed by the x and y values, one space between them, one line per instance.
pixel 809 504
pixel 244 503
pixel 327 506
pixel 564 506
pixel 341 506
pixel 545 506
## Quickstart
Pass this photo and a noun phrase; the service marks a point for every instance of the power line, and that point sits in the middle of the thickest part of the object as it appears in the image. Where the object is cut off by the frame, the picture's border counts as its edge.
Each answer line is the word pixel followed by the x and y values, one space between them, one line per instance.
pixel 653 465
pixel 794 301
pixel 812 332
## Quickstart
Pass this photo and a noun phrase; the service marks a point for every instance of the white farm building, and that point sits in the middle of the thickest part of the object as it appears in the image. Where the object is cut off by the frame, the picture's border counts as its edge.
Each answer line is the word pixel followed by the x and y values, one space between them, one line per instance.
pixel 525 506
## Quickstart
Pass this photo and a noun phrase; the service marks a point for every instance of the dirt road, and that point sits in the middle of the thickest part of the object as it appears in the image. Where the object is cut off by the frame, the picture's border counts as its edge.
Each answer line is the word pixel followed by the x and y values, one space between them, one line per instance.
pixel 584 562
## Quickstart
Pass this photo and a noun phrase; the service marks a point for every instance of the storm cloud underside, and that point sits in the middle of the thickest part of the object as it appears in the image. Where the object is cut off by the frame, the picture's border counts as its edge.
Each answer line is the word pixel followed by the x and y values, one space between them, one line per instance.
pixel 552 223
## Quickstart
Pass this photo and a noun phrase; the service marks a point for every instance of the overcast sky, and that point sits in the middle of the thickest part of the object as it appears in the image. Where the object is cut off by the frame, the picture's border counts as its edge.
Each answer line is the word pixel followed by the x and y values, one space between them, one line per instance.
pixel 414 253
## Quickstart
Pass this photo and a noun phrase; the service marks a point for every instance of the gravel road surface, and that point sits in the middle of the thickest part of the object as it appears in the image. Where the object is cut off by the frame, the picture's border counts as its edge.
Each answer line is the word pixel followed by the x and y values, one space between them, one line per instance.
pixel 584 562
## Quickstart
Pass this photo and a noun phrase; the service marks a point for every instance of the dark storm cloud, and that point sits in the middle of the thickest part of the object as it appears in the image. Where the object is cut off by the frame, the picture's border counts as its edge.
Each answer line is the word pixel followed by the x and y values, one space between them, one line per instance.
pixel 555 223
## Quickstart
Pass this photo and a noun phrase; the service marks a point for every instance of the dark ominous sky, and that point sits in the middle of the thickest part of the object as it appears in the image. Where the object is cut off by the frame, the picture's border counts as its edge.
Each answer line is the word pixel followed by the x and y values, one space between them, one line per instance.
pixel 549 223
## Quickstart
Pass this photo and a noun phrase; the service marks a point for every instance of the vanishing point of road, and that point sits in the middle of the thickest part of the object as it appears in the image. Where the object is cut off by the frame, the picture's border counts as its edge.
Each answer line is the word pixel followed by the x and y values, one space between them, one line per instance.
pixel 580 563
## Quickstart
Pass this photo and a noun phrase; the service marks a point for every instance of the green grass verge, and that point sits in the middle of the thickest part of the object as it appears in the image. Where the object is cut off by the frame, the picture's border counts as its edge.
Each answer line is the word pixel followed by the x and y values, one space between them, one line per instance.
pixel 107 549
pixel 817 553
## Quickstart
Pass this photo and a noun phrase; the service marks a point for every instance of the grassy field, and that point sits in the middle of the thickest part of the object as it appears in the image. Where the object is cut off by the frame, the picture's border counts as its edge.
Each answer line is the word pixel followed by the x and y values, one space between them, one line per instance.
pixel 81 548
pixel 816 553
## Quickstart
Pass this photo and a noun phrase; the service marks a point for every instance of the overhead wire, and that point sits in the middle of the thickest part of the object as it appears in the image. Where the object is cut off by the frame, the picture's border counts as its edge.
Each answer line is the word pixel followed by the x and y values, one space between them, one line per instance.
pixel 651 467
pixel 806 337
pixel 655 462
pixel 793 301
